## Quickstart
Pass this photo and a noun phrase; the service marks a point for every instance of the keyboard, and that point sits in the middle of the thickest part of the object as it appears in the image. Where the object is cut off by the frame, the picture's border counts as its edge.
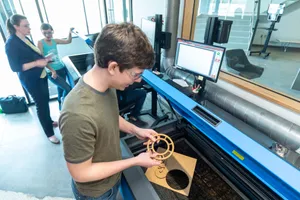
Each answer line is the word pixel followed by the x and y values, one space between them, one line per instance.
pixel 185 90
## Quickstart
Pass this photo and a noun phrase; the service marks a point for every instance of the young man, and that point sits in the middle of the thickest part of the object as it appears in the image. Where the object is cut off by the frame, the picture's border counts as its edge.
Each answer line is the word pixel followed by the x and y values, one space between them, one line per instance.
pixel 90 122
pixel 132 94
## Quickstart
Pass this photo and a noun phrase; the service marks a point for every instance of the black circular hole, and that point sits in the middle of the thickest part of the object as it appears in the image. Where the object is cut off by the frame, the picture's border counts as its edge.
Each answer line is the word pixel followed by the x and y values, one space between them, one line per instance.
pixel 177 179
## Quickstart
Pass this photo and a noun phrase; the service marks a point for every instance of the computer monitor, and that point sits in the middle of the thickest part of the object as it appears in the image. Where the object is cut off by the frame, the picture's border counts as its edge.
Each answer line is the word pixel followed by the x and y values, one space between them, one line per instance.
pixel 200 59
pixel 275 12
pixel 148 27
pixel 276 9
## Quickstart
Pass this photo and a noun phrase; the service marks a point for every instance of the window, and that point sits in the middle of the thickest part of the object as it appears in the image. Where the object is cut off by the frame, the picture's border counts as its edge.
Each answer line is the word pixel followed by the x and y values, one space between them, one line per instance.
pixel 63 15
pixel 116 11
pixel 3 14
pixel 16 6
pixel 7 6
pixel 86 16
pixel 31 12
pixel 280 72
pixel 94 18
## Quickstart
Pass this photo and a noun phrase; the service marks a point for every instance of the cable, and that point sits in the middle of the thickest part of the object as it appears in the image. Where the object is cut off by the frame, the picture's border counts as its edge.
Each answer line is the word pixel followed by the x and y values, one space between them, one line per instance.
pixel 162 110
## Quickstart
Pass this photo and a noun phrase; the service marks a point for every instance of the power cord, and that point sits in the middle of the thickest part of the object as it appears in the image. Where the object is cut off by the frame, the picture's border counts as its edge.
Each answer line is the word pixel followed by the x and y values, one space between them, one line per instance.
pixel 162 110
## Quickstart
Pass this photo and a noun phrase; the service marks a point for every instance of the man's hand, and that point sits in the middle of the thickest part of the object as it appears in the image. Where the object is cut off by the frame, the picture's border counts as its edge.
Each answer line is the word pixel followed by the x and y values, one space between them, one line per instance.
pixel 144 134
pixel 147 159
pixel 54 74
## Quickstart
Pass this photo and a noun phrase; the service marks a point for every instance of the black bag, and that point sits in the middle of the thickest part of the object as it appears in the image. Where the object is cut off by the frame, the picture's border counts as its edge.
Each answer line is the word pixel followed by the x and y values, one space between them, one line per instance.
pixel 13 104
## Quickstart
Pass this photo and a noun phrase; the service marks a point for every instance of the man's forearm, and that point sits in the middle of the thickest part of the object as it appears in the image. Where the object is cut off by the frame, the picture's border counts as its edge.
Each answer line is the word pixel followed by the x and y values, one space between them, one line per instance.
pixel 97 171
pixel 126 127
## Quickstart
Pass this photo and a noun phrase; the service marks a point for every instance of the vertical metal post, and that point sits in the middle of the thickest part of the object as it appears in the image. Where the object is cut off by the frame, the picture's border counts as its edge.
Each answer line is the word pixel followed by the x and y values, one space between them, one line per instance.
pixel 2 34
pixel 105 12
pixel 130 11
pixel 124 11
pixel 39 10
pixel 45 11
pixel 86 21
pixel 99 7
pixel 2 4
pixel 11 8
pixel 256 24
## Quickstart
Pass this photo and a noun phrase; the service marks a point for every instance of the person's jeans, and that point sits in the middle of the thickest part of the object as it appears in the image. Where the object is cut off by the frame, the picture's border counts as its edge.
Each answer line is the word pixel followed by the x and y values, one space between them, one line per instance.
pixel 63 88
pixel 111 194
pixel 39 92
pixel 136 95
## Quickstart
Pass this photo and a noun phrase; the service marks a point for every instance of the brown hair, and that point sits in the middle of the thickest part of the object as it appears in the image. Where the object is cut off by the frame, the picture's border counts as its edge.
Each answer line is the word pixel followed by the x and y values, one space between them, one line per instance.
pixel 125 44
pixel 46 26
pixel 14 20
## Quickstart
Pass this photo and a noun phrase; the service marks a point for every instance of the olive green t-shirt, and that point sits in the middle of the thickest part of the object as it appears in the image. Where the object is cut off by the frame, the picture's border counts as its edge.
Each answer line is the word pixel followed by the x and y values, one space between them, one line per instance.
pixel 89 124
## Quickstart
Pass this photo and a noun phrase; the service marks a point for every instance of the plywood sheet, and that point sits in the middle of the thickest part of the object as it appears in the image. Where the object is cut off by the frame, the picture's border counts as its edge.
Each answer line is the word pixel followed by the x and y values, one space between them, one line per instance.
pixel 175 162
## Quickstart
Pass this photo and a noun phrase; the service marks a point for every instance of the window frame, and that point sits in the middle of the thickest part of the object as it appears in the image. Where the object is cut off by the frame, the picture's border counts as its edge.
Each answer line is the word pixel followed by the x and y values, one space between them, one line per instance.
pixel 284 100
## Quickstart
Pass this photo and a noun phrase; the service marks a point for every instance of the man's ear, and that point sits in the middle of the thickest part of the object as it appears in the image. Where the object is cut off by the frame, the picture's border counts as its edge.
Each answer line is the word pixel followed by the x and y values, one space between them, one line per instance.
pixel 112 67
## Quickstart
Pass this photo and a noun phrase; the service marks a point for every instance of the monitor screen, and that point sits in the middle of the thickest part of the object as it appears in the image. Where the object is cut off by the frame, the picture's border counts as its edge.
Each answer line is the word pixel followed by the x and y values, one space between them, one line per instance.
pixel 148 27
pixel 201 59
pixel 276 9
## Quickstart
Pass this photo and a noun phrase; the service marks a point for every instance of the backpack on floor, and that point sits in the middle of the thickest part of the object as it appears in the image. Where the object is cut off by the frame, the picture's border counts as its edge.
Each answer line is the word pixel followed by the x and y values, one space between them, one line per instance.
pixel 13 104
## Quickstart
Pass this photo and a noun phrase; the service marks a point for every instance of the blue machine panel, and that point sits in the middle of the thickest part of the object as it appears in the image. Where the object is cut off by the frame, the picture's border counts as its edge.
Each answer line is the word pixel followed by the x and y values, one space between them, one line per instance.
pixel 276 173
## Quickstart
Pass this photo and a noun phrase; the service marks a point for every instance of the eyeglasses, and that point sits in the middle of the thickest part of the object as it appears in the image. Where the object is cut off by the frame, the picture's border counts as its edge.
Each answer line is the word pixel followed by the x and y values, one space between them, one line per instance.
pixel 134 75
pixel 48 33
pixel 26 26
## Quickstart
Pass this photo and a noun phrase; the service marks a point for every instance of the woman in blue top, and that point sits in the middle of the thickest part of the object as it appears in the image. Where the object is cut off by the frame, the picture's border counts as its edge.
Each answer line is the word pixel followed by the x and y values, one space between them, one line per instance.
pixel 27 61
pixel 57 72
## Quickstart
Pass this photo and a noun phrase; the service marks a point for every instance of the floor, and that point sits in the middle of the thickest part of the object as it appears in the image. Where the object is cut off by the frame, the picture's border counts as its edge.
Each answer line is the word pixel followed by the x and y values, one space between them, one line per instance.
pixel 29 162
pixel 31 167
pixel 280 69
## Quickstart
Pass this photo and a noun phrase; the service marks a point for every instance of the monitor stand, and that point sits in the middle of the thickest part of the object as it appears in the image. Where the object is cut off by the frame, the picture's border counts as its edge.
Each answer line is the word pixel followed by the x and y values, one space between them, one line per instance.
pixel 200 83
pixel 200 96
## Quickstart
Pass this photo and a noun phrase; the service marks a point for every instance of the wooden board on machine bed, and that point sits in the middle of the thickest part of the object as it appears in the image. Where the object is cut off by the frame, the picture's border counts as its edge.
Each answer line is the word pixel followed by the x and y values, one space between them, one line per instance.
pixel 206 183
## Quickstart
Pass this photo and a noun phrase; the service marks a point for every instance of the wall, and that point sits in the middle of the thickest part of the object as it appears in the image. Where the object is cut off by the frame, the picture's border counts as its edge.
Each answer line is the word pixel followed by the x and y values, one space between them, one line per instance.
pixel 288 28
pixel 144 8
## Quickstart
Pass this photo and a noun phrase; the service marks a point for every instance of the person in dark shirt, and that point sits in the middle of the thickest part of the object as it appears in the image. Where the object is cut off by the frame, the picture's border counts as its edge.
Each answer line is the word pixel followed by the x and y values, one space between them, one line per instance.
pixel 27 61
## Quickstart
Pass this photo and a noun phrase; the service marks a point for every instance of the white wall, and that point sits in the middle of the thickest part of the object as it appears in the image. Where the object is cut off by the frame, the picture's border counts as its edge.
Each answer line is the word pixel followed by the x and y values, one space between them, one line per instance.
pixel 288 27
pixel 145 8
